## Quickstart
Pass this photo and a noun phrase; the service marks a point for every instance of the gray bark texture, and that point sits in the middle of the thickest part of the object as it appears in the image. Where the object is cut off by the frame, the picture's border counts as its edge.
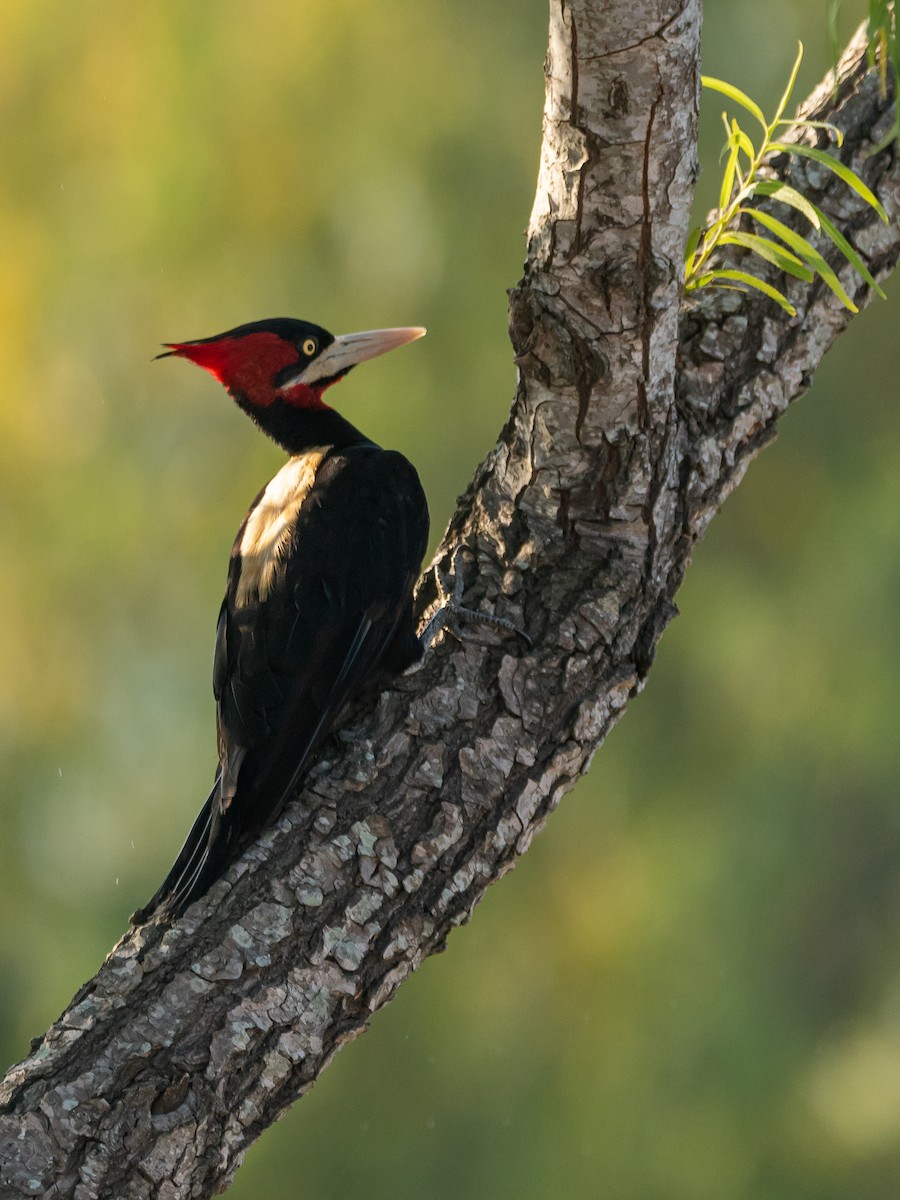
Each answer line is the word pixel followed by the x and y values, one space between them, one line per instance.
pixel 635 415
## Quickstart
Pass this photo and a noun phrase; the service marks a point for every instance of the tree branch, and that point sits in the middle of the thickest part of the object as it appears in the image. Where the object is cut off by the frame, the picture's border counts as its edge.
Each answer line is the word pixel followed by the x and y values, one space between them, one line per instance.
pixel 627 431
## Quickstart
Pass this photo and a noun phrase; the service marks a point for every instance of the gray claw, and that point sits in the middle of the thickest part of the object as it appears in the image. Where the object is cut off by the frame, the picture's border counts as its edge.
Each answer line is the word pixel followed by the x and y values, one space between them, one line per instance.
pixel 450 589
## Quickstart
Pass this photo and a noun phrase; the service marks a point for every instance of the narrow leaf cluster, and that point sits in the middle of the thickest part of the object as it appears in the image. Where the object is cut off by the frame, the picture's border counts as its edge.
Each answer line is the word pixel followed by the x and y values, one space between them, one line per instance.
pixel 884 48
pixel 772 240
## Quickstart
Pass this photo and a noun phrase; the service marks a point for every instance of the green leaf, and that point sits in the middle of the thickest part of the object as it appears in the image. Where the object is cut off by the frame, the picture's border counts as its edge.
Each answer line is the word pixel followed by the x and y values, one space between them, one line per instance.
pixel 690 250
pixel 849 253
pixel 826 125
pixel 884 34
pixel 783 102
pixel 787 195
pixel 731 287
pixel 735 136
pixel 879 18
pixel 770 251
pixel 758 285
pixel 806 251
pixel 849 177
pixel 834 9
pixel 729 173
pixel 743 140
pixel 735 94
pixel 892 134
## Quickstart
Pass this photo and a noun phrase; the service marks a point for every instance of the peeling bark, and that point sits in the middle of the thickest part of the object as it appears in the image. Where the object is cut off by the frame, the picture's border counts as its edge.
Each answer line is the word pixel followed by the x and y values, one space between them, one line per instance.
pixel 634 417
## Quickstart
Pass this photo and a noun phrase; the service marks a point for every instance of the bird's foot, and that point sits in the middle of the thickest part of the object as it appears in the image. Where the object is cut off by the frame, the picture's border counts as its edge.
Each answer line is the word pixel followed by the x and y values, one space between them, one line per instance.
pixel 450 590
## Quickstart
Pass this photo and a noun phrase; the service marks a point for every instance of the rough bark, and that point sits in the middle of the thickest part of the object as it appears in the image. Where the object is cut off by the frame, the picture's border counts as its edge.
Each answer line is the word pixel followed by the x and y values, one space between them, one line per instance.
pixel 632 421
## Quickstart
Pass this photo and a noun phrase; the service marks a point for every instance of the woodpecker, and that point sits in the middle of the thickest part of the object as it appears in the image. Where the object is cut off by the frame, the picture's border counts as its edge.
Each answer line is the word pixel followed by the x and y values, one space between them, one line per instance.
pixel 319 599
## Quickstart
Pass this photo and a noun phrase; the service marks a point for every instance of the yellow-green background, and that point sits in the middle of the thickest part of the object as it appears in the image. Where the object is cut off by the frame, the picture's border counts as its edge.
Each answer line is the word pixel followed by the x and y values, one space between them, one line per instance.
pixel 690 988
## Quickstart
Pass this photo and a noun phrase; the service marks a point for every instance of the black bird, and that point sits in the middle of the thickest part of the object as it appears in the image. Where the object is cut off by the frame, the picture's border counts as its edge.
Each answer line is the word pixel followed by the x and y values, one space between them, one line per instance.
pixel 318 602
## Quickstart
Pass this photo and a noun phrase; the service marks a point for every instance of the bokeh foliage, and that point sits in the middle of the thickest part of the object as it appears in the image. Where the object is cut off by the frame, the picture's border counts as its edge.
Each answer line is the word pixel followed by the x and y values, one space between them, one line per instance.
pixel 690 988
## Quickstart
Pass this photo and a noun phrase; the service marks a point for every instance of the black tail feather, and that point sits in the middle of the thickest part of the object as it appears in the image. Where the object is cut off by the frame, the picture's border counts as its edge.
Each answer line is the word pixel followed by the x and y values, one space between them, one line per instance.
pixel 180 886
pixel 219 832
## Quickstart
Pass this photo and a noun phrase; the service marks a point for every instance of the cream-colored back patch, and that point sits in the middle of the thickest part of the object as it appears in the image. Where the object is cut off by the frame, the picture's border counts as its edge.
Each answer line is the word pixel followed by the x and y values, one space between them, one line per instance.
pixel 268 529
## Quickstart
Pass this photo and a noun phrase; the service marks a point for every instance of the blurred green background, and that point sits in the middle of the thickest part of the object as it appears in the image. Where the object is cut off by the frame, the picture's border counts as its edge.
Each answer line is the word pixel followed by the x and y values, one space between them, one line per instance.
pixel 690 988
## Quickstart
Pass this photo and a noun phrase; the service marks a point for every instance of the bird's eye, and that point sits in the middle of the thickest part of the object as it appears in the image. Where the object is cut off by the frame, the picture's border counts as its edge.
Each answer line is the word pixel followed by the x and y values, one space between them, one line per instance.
pixel 309 347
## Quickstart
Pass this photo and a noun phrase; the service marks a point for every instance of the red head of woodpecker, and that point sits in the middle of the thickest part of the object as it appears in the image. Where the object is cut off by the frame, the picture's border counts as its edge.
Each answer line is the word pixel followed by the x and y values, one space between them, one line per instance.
pixel 278 370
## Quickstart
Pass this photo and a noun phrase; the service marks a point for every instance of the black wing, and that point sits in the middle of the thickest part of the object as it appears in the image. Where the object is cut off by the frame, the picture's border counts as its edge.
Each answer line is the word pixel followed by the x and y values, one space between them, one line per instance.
pixel 338 615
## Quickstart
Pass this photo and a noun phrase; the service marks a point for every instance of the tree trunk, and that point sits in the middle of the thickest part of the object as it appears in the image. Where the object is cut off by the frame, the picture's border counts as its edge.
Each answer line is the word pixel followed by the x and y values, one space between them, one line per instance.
pixel 635 415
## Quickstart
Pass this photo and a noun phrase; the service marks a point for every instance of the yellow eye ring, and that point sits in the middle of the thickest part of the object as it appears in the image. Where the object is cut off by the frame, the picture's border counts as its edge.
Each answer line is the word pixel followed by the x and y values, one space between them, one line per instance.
pixel 309 347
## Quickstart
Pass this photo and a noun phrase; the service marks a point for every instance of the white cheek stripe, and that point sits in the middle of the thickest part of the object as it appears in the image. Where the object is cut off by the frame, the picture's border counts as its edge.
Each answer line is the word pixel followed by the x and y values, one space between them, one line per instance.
pixel 268 530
